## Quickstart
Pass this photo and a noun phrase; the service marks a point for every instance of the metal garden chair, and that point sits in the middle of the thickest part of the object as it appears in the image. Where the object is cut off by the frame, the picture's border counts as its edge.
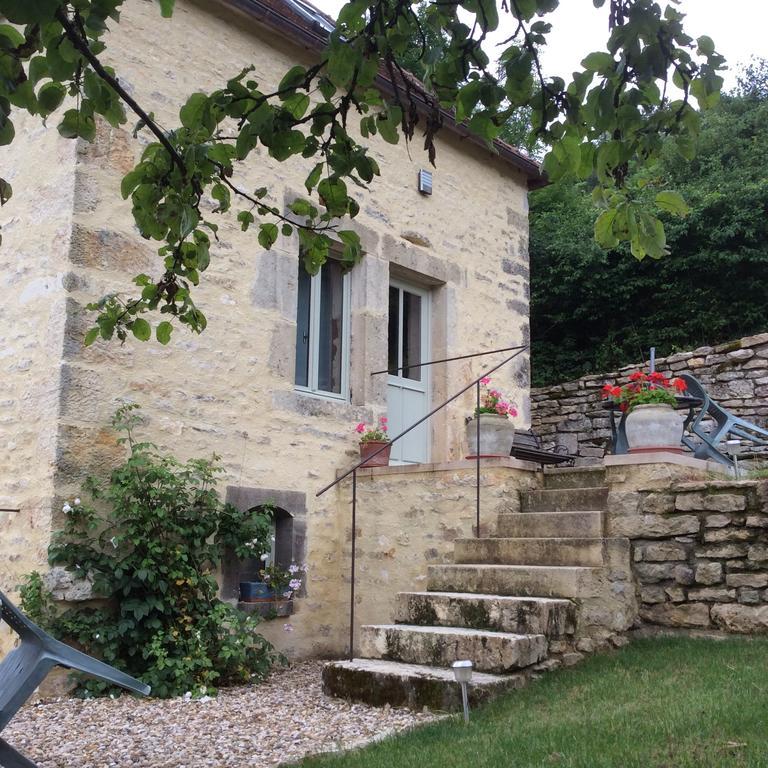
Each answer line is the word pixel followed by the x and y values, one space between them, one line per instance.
pixel 725 424
pixel 25 667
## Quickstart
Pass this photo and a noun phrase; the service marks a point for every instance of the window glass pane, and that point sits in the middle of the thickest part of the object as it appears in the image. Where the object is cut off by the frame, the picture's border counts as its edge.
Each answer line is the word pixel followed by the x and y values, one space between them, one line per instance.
pixel 411 336
pixel 302 328
pixel 330 331
pixel 394 327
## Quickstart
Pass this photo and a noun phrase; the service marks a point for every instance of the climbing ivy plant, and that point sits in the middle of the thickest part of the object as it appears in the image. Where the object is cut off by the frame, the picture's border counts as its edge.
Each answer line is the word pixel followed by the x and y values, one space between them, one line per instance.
pixel 617 108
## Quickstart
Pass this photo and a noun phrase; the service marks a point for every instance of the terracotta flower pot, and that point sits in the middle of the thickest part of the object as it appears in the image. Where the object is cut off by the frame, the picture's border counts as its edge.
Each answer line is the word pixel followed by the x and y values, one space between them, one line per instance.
pixel 654 427
pixel 497 433
pixel 371 446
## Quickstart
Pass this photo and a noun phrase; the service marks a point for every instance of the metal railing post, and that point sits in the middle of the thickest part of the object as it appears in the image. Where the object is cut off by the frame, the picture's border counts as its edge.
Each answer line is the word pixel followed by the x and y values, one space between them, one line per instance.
pixel 352 574
pixel 477 465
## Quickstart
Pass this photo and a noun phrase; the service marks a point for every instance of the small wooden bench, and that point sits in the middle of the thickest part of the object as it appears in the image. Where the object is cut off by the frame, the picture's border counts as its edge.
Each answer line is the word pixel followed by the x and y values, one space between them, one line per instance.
pixel 527 447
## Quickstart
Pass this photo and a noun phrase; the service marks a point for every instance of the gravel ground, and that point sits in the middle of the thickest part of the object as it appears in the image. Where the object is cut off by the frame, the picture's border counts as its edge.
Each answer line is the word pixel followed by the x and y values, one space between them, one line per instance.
pixel 278 721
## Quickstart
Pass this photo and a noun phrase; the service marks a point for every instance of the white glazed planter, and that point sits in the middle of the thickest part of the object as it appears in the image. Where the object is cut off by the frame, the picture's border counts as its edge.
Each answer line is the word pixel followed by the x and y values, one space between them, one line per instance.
pixel 654 427
pixel 497 433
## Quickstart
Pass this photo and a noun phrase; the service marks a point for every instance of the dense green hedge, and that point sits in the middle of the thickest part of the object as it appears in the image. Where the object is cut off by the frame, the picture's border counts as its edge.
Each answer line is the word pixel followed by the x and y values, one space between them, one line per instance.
pixel 592 311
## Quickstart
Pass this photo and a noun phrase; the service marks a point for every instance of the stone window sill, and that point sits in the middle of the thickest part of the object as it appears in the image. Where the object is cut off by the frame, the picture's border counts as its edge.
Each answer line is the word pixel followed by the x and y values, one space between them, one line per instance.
pixel 268 609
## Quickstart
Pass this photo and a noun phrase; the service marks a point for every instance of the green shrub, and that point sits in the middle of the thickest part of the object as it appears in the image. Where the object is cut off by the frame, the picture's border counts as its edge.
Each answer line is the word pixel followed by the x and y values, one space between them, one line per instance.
pixel 151 553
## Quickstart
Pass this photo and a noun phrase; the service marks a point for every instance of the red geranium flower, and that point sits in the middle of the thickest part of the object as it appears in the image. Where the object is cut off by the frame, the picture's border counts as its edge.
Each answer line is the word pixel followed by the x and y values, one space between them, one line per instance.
pixel 679 385
pixel 638 376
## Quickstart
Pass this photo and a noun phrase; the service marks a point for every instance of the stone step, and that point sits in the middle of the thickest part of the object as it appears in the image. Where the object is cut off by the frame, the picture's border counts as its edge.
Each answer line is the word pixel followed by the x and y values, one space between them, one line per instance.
pixel 565 500
pixel 377 682
pixel 520 615
pixel 574 477
pixel 518 580
pixel 530 551
pixel 535 525
pixel 494 652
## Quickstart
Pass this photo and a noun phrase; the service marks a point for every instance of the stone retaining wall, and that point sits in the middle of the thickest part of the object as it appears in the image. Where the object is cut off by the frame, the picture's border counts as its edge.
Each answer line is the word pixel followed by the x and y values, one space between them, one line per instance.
pixel 700 555
pixel 572 414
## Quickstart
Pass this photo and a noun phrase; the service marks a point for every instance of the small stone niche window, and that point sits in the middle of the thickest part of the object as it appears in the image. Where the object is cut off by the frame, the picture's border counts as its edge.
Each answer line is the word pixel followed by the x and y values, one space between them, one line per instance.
pixel 288 546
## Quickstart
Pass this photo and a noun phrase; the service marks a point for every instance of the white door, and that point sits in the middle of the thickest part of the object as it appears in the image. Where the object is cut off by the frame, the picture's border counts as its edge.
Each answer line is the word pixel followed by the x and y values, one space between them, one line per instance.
pixel 408 388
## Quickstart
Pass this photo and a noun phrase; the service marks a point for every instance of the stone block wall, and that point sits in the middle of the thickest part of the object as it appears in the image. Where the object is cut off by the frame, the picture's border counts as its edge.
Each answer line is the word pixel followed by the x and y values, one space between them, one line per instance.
pixel 572 414
pixel 700 555
pixel 34 275
pixel 409 518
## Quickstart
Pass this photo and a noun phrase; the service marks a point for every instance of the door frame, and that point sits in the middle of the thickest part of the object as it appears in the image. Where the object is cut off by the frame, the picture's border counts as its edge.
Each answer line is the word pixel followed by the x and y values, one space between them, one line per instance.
pixel 426 347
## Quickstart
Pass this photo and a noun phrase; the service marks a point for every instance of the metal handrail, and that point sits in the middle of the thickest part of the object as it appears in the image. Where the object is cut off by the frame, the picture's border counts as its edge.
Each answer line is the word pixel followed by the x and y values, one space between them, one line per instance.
pixel 353 470
pixel 444 360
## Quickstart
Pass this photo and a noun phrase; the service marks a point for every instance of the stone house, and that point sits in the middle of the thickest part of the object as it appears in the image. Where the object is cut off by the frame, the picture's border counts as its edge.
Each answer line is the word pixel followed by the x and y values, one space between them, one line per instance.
pixel 277 382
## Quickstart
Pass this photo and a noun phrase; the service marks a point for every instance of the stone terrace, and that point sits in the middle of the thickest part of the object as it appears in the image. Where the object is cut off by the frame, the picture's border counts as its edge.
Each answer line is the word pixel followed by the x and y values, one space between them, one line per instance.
pixel 572 414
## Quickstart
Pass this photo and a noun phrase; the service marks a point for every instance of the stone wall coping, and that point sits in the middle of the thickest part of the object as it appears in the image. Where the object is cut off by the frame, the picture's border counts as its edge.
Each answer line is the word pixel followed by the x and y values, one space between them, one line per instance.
pixel 663 457
pixel 748 342
pixel 707 486
pixel 447 466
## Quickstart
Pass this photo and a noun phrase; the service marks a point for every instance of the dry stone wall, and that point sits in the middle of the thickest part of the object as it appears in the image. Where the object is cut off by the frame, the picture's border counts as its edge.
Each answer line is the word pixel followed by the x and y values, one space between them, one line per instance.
pixel 700 555
pixel 572 414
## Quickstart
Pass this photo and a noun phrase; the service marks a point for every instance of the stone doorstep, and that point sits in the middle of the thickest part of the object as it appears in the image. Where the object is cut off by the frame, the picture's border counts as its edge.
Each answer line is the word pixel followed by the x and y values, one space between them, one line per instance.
pixel 530 551
pixel 565 500
pixel 378 682
pixel 551 524
pixel 522 615
pixel 446 466
pixel 517 580
pixel 494 652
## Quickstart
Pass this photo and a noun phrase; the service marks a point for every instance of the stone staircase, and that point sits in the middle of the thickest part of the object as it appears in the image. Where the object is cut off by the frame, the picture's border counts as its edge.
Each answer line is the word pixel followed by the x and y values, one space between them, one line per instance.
pixel 547 585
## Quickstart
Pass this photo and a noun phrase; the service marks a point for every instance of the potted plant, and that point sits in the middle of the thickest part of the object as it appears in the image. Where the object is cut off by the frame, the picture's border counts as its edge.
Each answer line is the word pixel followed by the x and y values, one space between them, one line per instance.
pixel 273 594
pixel 371 440
pixel 497 431
pixel 284 583
pixel 648 401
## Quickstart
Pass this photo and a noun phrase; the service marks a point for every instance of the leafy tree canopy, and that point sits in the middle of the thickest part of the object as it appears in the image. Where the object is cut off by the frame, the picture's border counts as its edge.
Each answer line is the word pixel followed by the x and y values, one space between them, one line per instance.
pixel 594 310
pixel 618 107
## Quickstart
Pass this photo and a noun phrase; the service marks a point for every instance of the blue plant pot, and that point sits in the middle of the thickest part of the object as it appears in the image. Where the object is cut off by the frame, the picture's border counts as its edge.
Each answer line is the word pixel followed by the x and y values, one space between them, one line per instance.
pixel 251 591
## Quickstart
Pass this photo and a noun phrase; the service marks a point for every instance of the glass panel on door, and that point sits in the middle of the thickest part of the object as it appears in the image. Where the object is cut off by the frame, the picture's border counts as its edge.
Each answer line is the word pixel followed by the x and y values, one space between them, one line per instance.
pixel 411 336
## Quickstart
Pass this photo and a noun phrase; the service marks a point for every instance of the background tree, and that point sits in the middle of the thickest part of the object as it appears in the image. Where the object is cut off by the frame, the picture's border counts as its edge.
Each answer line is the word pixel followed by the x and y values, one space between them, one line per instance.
pixel 616 109
pixel 593 310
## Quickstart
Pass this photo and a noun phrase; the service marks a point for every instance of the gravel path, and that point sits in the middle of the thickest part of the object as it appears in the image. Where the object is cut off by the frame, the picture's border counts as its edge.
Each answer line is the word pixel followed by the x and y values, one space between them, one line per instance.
pixel 279 721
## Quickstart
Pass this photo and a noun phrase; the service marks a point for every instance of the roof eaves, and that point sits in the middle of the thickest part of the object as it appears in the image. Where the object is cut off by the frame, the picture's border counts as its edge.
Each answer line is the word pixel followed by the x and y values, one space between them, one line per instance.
pixel 314 36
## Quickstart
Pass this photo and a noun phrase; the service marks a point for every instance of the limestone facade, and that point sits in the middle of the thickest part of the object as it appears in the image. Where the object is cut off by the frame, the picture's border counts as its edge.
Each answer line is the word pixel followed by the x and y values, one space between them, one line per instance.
pixel 68 238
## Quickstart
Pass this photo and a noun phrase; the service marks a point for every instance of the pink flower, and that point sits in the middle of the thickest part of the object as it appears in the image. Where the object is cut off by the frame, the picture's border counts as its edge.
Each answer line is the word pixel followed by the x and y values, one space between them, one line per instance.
pixel 485 380
pixel 383 419
pixel 512 411
pixel 495 393
pixel 360 428
pixel 383 427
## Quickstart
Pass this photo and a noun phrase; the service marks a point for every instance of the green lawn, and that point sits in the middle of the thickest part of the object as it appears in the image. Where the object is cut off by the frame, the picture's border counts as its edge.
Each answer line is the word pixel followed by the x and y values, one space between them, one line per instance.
pixel 668 703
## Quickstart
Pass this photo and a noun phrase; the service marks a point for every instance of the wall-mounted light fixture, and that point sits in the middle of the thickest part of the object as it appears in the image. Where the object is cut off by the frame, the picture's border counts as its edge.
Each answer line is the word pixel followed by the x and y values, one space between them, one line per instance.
pixel 425 182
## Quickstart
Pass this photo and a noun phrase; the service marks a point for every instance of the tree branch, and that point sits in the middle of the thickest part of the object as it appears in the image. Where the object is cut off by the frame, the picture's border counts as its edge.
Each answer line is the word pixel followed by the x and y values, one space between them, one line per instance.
pixel 81 44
